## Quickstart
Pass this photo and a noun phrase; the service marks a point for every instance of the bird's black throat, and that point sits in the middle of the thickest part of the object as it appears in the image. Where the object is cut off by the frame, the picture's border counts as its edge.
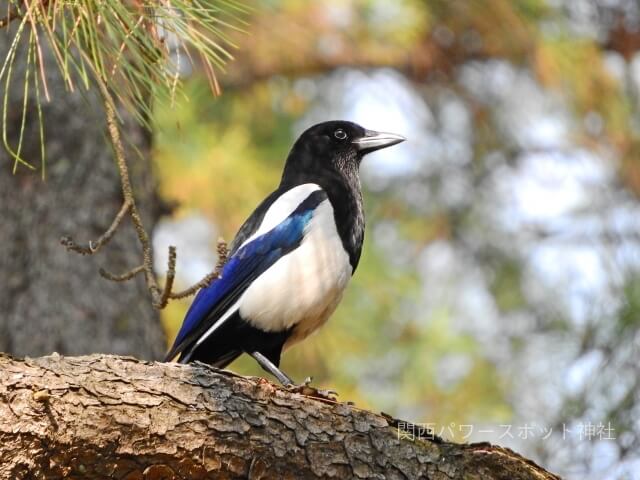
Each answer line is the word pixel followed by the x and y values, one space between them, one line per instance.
pixel 342 183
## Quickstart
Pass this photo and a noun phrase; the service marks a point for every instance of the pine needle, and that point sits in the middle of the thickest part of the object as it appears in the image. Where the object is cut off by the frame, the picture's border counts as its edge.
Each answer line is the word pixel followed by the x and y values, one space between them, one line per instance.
pixel 136 44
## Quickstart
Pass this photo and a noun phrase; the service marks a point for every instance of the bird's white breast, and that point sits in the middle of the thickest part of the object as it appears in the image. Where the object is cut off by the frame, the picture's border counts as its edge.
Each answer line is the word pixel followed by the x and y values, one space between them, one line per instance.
pixel 303 288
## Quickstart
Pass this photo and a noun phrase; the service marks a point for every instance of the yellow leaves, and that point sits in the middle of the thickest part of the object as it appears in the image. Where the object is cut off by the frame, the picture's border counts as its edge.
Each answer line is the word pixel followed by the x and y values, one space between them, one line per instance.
pixel 562 63
pixel 498 28
pixel 506 31
pixel 630 167
pixel 506 285
pixel 433 351
pixel 218 170
pixel 576 68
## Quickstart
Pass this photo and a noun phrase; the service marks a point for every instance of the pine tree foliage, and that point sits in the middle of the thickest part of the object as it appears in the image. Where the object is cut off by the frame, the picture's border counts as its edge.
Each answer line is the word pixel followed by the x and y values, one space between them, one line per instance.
pixel 138 48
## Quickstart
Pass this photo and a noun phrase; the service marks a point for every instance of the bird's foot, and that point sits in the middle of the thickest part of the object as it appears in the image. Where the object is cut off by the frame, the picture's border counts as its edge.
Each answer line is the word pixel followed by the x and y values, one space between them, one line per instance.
pixel 307 390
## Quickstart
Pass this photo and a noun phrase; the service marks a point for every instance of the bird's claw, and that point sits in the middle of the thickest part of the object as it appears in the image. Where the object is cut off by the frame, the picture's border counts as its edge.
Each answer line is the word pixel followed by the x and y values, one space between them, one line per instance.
pixel 307 390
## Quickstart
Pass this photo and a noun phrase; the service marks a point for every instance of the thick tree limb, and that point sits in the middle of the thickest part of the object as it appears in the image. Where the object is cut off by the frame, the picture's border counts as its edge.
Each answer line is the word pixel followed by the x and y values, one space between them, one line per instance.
pixel 104 416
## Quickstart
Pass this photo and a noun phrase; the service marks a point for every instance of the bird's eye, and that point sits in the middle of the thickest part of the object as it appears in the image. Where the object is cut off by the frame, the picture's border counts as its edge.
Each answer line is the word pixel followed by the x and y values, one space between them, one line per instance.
pixel 340 134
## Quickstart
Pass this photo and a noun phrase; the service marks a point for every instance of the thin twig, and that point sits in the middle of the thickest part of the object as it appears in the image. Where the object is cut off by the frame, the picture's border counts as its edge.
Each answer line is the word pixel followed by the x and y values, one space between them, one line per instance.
pixel 127 193
pixel 171 275
pixel 122 277
pixel 93 247
pixel 223 252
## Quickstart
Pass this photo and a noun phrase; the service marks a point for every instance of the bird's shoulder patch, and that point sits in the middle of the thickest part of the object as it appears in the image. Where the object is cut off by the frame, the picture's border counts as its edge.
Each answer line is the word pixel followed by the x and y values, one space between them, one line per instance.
pixel 281 207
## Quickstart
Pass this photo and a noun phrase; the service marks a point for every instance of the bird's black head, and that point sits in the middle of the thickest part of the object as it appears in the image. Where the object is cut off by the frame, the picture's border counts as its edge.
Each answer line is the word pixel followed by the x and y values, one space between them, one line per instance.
pixel 336 146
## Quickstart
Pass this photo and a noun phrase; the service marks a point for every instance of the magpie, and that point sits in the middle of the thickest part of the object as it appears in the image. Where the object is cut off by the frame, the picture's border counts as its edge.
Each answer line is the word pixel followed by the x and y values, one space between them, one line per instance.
pixel 291 260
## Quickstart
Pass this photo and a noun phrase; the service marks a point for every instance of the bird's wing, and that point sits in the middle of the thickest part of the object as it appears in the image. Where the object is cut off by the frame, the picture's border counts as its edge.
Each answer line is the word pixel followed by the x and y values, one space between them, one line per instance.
pixel 280 231
pixel 252 223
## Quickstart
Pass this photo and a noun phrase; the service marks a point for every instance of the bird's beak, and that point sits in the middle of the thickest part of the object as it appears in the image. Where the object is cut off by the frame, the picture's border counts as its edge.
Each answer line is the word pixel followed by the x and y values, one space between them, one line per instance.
pixel 373 141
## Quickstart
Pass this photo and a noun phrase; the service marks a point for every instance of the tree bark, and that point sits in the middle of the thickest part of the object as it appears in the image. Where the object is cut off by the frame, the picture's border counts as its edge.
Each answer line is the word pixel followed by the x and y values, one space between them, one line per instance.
pixel 51 299
pixel 104 416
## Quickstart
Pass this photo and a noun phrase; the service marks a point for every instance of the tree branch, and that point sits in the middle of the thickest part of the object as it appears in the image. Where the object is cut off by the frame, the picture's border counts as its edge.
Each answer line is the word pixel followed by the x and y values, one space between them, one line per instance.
pixel 123 277
pixel 93 247
pixel 104 416
pixel 159 296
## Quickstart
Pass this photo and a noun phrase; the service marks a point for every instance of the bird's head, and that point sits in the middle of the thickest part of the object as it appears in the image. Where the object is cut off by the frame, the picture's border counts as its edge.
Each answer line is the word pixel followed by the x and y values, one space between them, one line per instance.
pixel 336 146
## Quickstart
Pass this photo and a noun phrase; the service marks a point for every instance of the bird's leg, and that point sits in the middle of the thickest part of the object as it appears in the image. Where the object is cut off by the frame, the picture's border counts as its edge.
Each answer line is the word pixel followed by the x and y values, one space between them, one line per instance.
pixel 305 388
pixel 268 366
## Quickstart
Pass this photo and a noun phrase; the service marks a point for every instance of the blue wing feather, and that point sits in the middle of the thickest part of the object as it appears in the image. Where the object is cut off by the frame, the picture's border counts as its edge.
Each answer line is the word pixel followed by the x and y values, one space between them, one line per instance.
pixel 244 266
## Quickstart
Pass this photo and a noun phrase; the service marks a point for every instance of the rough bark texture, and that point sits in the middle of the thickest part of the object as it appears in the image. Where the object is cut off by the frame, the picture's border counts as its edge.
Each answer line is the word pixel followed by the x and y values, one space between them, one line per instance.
pixel 119 418
pixel 53 300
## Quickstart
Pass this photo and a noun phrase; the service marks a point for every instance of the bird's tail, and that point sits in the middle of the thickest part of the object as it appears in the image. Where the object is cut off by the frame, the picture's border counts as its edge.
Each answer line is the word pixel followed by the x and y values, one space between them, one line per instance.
pixel 218 361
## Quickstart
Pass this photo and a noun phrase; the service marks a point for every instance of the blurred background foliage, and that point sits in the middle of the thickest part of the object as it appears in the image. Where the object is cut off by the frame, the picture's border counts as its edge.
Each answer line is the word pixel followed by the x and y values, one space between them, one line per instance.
pixel 500 282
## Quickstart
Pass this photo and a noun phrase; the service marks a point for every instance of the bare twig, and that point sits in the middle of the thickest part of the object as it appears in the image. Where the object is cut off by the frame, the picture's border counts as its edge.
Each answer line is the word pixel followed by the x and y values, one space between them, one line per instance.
pixel 93 247
pixel 223 252
pixel 159 296
pixel 122 277
pixel 171 275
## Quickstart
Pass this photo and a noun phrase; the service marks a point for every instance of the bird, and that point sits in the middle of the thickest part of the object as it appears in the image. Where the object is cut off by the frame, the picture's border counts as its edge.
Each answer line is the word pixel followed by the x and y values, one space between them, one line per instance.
pixel 291 260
